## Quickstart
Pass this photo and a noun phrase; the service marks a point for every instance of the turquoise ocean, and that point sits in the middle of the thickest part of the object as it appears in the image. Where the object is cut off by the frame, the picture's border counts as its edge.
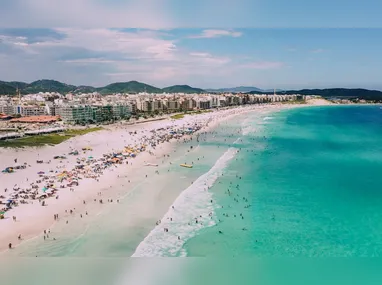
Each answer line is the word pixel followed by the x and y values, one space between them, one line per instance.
pixel 301 182
pixel 306 183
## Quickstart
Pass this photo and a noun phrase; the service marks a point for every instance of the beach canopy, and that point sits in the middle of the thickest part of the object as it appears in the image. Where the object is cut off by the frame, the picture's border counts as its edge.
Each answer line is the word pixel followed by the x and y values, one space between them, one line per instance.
pixel 41 172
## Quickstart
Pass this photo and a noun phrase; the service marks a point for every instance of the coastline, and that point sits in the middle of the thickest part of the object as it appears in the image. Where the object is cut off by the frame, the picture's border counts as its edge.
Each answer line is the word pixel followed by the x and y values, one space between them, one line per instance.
pixel 33 219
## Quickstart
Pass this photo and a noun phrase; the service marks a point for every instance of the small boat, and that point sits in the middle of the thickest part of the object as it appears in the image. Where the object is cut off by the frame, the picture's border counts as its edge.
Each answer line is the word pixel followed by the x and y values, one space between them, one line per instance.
pixel 186 165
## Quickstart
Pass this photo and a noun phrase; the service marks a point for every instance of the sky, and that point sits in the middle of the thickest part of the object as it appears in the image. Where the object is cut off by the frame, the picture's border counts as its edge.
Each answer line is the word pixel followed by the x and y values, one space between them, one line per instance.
pixel 269 44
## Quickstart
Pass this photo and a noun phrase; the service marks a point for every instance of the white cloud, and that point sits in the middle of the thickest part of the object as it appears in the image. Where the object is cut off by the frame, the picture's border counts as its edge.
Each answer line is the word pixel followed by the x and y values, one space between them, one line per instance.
pixel 100 56
pixel 217 33
pixel 137 45
pixel 143 55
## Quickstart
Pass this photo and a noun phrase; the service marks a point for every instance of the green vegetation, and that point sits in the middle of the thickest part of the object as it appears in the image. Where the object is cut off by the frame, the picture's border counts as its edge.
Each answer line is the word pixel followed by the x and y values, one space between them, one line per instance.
pixel 80 132
pixel 182 89
pixel 136 87
pixel 177 116
pixel 296 102
pixel 180 116
pixel 128 87
pixel 118 87
pixel 48 139
pixel 199 112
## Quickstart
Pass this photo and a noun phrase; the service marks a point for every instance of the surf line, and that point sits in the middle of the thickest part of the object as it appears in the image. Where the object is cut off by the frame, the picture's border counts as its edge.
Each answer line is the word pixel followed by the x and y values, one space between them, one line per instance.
pixel 190 212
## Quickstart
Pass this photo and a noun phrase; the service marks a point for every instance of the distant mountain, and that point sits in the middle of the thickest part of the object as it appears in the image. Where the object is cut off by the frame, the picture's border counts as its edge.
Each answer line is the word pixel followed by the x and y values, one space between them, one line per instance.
pixel 6 88
pixel 182 89
pixel 336 93
pixel 242 89
pixel 272 90
pixel 17 84
pixel 128 87
pixel 46 85
pixel 85 89
pixel 9 88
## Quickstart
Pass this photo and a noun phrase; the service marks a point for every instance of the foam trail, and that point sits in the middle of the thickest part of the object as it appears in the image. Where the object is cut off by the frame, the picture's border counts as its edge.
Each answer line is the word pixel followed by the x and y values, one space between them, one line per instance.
pixel 191 203
pixel 246 127
pixel 267 118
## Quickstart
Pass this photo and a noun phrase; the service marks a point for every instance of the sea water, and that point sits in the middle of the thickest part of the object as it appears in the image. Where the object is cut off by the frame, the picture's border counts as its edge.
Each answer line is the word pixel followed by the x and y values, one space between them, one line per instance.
pixel 306 182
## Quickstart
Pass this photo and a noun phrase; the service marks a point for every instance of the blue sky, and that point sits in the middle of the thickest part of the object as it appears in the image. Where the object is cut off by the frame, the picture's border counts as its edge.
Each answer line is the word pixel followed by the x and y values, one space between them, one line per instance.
pixel 209 44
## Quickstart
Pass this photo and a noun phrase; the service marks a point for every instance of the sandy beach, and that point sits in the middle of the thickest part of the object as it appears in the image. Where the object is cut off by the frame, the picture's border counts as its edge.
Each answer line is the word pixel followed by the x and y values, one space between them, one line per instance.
pixel 34 197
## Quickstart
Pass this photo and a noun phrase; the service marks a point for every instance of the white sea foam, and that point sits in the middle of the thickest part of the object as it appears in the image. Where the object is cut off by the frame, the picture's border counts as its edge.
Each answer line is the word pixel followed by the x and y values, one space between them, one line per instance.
pixel 267 118
pixel 246 127
pixel 192 203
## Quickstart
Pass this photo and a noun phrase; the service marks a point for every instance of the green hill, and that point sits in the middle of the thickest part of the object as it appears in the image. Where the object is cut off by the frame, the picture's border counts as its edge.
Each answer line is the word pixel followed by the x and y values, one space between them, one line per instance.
pixel 182 89
pixel 128 87
pixel 46 85
pixel 6 88
pixel 85 89
pixel 9 88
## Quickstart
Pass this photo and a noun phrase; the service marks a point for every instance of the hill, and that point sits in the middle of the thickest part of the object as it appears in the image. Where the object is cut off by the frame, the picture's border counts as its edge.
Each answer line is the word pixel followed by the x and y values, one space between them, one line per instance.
pixel 128 87
pixel 46 85
pixel 9 88
pixel 85 89
pixel 182 89
pixel 6 88
pixel 243 89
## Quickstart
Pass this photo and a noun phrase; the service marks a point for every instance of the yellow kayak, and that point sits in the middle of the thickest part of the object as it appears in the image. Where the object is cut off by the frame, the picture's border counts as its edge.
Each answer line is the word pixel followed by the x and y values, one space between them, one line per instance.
pixel 186 165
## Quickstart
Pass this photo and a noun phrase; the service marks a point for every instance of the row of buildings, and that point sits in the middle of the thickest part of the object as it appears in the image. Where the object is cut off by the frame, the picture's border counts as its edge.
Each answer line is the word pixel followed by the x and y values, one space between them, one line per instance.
pixel 95 108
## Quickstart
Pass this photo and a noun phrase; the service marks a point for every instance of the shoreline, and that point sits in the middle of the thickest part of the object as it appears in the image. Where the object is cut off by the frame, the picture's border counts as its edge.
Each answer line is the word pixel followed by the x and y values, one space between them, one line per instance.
pixel 31 229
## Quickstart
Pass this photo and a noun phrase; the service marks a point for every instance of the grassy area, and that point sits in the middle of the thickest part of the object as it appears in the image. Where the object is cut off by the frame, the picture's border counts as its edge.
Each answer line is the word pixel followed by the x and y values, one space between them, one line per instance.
pixel 49 139
pixel 296 102
pixel 177 116
pixel 180 116
pixel 81 132
pixel 198 112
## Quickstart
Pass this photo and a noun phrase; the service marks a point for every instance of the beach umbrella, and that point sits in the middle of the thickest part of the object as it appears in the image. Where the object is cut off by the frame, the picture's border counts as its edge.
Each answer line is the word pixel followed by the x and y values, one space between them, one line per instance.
pixel 44 189
pixel 40 172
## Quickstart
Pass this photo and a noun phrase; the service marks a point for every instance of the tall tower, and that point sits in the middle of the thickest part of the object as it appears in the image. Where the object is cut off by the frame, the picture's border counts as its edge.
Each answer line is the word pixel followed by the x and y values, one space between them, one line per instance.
pixel 18 93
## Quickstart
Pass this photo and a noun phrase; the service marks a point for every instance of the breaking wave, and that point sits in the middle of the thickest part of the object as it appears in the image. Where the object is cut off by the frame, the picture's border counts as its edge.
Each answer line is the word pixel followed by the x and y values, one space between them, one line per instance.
pixel 193 202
